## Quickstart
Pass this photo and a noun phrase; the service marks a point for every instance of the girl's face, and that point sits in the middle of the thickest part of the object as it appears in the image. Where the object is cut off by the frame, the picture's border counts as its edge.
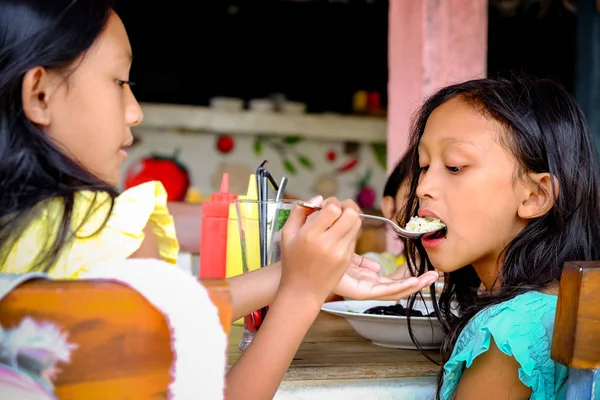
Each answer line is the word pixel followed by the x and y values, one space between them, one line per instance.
pixel 89 112
pixel 468 180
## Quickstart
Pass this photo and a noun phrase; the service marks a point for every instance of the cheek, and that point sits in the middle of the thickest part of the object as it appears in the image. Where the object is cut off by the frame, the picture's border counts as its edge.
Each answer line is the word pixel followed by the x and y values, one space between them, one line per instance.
pixel 99 121
pixel 487 212
pixel 90 136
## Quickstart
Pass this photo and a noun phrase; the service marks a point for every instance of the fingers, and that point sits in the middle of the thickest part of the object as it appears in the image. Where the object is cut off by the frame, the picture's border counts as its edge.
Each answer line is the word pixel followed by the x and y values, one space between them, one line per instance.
pixel 430 277
pixel 343 204
pixel 351 204
pixel 298 217
pixel 324 219
pixel 293 224
pixel 316 201
pixel 330 200
pixel 346 227
pixel 384 288
pixel 349 224
pixel 366 262
pixel 397 289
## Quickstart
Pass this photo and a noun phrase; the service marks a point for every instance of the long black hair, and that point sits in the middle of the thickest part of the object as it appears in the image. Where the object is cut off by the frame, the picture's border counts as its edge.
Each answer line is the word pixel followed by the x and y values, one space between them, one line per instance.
pixel 546 132
pixel 398 177
pixel 51 34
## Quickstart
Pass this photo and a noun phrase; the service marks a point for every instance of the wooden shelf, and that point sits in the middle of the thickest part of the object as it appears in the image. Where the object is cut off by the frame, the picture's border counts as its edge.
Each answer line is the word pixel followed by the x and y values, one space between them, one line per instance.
pixel 183 118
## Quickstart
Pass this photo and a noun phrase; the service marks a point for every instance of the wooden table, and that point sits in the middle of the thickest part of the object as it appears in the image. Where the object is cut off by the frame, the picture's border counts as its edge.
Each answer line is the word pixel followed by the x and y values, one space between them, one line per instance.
pixel 333 350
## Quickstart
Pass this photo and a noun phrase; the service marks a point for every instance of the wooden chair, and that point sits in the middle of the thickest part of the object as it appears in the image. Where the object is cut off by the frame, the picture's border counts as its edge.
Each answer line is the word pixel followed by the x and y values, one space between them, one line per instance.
pixel 576 340
pixel 123 342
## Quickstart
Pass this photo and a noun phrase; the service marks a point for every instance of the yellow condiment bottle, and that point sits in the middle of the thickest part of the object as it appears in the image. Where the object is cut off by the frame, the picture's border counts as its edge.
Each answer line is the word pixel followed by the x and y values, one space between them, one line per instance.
pixel 233 261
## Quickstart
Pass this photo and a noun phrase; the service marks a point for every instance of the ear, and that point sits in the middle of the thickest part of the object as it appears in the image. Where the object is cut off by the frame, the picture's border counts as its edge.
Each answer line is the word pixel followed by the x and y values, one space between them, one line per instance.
pixel 540 196
pixel 388 206
pixel 35 96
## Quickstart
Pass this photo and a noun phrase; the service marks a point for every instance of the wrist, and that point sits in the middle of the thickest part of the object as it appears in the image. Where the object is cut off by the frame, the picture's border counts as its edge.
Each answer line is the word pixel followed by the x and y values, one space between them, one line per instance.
pixel 292 295
pixel 253 290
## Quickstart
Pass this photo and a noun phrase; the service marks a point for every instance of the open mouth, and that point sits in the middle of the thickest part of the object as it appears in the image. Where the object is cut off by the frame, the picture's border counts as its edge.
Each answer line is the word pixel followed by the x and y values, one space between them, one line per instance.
pixel 437 234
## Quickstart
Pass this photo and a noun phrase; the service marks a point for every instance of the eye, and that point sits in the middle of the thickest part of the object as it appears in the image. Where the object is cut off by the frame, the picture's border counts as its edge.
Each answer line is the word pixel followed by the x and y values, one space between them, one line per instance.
pixel 424 168
pixel 454 170
pixel 122 83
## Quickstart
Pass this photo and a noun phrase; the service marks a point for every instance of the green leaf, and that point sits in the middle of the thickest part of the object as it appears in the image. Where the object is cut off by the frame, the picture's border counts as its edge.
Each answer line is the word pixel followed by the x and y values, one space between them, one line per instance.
pixel 380 152
pixel 258 145
pixel 364 181
pixel 292 139
pixel 289 167
pixel 282 217
pixel 305 161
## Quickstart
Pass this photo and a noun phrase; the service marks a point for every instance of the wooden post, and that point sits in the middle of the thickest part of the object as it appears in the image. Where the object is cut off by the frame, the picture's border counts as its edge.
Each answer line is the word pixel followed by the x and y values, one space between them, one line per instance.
pixel 576 338
pixel 432 43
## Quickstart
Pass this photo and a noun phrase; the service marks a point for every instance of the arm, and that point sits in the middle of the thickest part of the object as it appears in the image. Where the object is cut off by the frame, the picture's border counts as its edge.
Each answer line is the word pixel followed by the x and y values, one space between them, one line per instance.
pixel 314 256
pixel 260 370
pixel 317 257
pixel 149 247
pixel 493 372
pixel 361 281
pixel 253 290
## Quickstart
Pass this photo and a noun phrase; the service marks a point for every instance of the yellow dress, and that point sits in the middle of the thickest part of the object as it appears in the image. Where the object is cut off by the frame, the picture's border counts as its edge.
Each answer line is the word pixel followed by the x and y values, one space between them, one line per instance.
pixel 122 235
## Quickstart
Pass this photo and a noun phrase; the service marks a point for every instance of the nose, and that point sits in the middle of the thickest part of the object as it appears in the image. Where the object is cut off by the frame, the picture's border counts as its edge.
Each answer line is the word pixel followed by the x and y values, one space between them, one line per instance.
pixel 425 188
pixel 133 112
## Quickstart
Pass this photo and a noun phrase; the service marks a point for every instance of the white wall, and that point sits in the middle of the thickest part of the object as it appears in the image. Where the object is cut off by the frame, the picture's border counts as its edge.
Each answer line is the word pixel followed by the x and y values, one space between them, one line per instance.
pixel 206 164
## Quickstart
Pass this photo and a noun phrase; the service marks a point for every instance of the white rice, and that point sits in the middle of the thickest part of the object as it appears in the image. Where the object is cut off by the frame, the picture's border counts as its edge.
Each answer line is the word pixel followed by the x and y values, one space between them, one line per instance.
pixel 426 224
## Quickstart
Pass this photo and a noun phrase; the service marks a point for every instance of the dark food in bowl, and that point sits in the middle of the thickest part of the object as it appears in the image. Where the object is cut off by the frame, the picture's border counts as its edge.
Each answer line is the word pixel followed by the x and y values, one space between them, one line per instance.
pixel 397 310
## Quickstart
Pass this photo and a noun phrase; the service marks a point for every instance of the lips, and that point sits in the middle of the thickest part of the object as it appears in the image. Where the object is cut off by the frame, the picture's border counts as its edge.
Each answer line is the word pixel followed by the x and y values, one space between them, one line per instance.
pixel 426 212
pixel 435 239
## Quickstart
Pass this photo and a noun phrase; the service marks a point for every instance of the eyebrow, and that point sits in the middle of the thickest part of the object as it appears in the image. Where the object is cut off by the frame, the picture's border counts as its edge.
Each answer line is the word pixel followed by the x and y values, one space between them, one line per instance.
pixel 454 141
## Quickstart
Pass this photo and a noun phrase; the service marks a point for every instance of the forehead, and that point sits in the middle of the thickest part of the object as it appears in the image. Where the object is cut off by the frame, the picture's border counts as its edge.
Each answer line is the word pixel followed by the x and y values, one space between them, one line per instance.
pixel 458 123
pixel 112 46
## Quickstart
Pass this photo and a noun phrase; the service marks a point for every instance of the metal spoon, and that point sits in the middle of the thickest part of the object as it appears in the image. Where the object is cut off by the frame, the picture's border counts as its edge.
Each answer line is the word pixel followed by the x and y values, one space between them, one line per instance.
pixel 398 229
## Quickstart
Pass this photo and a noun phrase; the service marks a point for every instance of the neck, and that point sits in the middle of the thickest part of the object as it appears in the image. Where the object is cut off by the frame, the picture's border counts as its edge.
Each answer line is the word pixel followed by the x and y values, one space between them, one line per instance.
pixel 487 271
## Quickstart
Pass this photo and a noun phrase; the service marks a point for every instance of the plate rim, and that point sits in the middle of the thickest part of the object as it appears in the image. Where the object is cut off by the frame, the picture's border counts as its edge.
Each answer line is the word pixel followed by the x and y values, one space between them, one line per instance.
pixel 371 316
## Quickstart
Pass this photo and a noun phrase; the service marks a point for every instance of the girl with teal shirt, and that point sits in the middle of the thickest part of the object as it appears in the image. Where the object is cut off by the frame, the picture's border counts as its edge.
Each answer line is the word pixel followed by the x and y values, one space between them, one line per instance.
pixel 510 168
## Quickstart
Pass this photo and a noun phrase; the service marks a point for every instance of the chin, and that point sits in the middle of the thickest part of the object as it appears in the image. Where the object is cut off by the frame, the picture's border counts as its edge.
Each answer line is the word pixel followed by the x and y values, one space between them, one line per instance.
pixel 113 179
pixel 443 264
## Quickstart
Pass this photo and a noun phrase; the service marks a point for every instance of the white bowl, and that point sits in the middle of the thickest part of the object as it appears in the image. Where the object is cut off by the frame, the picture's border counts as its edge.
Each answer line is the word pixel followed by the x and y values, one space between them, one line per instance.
pixel 389 330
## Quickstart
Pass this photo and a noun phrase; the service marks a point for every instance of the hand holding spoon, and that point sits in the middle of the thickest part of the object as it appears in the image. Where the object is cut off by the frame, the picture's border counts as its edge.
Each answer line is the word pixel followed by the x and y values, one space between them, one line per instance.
pixel 402 232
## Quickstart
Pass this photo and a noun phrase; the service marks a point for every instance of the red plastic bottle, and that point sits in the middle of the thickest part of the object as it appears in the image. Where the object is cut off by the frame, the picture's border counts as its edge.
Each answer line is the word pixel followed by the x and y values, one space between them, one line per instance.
pixel 213 239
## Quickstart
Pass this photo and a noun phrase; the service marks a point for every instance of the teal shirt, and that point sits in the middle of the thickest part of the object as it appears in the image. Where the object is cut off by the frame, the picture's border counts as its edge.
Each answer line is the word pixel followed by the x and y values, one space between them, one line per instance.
pixel 522 328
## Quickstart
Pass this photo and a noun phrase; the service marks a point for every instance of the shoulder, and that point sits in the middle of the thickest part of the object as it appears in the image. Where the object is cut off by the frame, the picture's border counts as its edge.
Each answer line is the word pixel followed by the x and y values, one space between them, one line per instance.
pixel 115 229
pixel 531 311
pixel 36 238
pixel 103 229
pixel 520 328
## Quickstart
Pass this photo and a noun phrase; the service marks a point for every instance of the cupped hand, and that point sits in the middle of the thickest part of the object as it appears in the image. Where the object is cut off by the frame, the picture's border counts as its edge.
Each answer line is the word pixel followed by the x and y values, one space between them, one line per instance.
pixel 361 281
